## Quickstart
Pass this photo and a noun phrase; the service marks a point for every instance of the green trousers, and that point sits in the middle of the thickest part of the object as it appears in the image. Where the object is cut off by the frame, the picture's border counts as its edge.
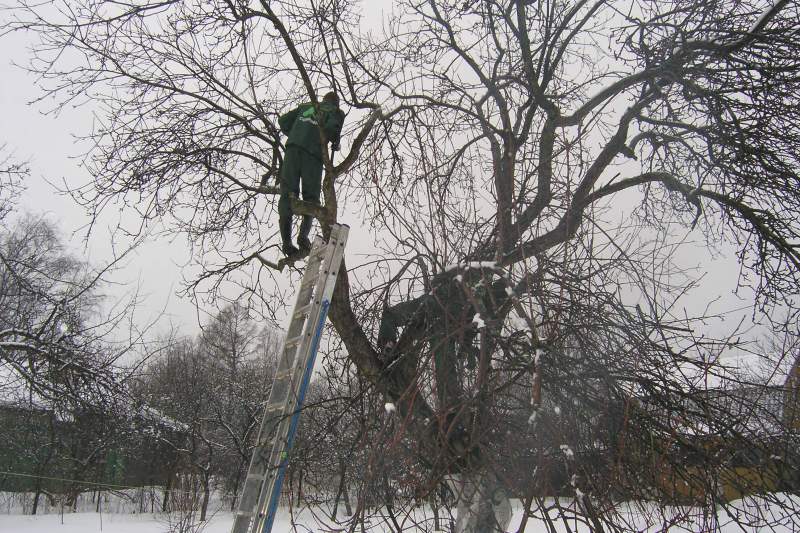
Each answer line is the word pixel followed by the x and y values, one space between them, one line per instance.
pixel 299 167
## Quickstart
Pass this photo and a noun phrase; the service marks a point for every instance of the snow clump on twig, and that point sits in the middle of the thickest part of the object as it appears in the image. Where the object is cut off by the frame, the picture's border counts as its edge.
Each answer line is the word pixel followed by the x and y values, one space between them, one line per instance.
pixel 567 451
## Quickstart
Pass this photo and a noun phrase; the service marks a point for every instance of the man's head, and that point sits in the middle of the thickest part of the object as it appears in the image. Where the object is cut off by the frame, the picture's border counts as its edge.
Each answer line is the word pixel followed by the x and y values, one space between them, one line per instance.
pixel 331 98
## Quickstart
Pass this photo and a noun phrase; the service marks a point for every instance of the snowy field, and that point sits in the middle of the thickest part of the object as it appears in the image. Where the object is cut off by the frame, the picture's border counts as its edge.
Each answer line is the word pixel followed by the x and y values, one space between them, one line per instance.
pixel 769 518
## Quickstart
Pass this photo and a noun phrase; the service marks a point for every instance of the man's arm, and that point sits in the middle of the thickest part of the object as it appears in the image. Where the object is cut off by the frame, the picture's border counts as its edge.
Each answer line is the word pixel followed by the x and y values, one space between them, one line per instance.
pixel 393 318
pixel 333 126
pixel 286 121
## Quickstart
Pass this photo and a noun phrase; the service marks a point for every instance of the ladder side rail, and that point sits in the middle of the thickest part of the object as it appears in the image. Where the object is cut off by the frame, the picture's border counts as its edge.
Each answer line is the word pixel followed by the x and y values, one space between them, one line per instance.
pixel 254 480
pixel 279 450
pixel 274 440
pixel 311 329
pixel 305 296
pixel 332 271
pixel 288 355
pixel 281 428
pixel 287 363
pixel 259 460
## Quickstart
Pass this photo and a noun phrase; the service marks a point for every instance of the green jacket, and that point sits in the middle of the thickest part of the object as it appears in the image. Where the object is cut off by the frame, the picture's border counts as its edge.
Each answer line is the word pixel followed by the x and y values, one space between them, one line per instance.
pixel 301 126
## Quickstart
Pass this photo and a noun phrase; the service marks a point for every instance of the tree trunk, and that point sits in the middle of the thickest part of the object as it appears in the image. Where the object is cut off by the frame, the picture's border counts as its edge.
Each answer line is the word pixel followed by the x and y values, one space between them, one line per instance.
pixel 167 489
pixel 348 509
pixel 206 493
pixel 37 494
pixel 300 484
pixel 338 495
pixel 341 490
pixel 235 498
pixel 482 504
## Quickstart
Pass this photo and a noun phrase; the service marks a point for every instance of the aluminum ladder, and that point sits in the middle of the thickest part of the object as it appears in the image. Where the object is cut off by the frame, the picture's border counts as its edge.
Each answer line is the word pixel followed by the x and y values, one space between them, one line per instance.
pixel 258 503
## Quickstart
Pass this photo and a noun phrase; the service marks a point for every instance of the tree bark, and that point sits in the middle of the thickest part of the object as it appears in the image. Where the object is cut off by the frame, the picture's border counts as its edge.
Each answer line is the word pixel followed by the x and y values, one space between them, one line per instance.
pixel 36 496
pixel 348 509
pixel 206 493
pixel 165 499
pixel 341 490
pixel 482 504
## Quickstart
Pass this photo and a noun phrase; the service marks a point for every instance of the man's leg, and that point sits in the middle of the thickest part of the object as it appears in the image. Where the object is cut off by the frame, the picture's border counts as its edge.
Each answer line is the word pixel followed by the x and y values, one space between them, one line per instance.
pixel 311 173
pixel 303 242
pixel 290 184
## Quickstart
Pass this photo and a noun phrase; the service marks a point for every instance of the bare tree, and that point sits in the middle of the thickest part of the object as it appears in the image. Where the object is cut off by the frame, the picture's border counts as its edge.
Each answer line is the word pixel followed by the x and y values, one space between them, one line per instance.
pixel 56 326
pixel 52 331
pixel 212 389
pixel 11 174
pixel 178 385
pixel 531 176
pixel 242 359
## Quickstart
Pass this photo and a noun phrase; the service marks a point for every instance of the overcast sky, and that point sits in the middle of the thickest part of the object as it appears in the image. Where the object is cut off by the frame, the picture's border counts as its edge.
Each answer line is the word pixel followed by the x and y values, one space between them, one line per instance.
pixel 48 144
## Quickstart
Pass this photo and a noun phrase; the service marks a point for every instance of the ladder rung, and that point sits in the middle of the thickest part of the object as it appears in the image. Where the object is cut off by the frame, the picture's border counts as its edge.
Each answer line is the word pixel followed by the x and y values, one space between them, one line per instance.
pixel 305 291
pixel 266 443
pixel 305 287
pixel 306 309
pixel 317 252
pixel 304 297
pixel 294 341
pixel 284 374
pixel 275 406
pixel 303 309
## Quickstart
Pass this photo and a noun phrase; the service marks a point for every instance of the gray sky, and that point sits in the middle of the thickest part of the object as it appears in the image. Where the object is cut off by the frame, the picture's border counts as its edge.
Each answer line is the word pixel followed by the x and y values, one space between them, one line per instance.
pixel 47 142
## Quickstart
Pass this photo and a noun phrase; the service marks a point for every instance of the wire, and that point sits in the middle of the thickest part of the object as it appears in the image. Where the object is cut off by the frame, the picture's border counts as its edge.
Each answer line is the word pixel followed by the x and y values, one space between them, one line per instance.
pixel 92 483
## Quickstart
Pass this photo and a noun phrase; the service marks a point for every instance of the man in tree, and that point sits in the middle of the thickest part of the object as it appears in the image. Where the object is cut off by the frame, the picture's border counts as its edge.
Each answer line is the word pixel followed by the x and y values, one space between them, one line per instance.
pixel 443 318
pixel 442 312
pixel 448 319
pixel 303 159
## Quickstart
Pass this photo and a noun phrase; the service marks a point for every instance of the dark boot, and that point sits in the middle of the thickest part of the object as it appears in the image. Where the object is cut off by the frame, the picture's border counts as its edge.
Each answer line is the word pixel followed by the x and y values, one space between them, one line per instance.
pixel 302 238
pixel 304 244
pixel 285 226
pixel 289 250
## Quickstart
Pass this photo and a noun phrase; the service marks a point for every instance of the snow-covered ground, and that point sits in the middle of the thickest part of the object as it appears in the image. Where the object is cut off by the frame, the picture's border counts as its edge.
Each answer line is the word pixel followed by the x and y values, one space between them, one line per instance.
pixel 763 517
